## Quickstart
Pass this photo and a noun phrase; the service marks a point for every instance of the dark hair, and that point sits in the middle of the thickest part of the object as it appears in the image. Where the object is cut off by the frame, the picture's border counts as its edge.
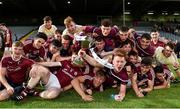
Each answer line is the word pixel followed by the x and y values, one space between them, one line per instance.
pixel 3 24
pixel 41 35
pixel 132 53
pixel 100 73
pixel 127 42
pixel 66 37
pixel 170 44
pixel 106 22
pixel 147 61
pixel 154 30
pixel 146 36
pixel 158 68
pixel 58 31
pixel 47 18
pixel 99 38
pixel 56 43
pixel 124 29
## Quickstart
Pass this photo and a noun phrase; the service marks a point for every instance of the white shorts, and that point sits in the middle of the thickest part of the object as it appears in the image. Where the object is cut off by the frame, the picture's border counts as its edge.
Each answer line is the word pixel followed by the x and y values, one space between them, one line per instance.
pixel 53 82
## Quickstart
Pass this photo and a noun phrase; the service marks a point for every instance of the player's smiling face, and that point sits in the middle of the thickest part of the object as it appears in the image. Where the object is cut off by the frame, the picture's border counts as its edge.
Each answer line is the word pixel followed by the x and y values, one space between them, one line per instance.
pixel 98 80
pixel 71 27
pixel 127 48
pixel 53 49
pixel 145 69
pixel 48 24
pixel 38 43
pixel 145 43
pixel 167 51
pixel 160 76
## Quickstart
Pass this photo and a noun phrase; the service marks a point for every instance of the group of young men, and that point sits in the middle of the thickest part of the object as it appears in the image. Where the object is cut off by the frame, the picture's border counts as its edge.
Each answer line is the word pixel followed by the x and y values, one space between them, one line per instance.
pixel 88 59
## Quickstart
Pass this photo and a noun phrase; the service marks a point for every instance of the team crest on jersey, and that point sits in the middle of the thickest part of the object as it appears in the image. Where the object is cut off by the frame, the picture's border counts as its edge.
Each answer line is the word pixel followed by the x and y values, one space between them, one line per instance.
pixel 75 73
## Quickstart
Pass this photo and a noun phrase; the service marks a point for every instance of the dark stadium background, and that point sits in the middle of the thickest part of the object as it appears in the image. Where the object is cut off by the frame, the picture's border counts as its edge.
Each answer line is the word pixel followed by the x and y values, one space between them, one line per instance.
pixel 31 12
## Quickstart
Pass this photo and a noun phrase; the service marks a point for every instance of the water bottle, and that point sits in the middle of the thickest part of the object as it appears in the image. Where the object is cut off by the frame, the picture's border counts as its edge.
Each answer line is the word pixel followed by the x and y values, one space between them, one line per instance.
pixel 116 97
pixel 112 96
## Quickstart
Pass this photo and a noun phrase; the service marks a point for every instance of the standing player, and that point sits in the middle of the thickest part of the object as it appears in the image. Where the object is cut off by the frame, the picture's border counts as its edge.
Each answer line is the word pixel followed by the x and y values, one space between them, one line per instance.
pixel 155 39
pixel 48 29
pixel 7 35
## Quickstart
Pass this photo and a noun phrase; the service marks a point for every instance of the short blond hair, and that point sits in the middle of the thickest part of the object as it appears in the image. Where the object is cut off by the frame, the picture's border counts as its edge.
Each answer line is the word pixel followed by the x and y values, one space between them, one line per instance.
pixel 18 44
pixel 68 20
pixel 119 52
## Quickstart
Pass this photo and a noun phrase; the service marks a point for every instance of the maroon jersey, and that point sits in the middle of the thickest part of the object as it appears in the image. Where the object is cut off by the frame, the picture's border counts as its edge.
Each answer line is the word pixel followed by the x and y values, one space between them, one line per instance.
pixel 110 39
pixel 112 33
pixel 167 74
pixel 89 29
pixel 116 77
pixel 149 51
pixel 143 78
pixel 158 44
pixel 32 52
pixel 16 70
pixel 88 83
pixel 67 73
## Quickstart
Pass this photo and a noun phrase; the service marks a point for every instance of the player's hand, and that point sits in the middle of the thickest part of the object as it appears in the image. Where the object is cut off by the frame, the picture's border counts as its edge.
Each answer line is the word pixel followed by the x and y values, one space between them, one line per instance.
pixel 81 53
pixel 87 98
pixel 89 91
pixel 175 65
pixel 118 98
pixel 140 95
pixel 103 53
pixel 10 90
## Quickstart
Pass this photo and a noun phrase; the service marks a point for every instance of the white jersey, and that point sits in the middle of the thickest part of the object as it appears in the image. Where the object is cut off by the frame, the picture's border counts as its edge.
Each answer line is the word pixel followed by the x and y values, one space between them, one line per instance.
pixel 49 32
